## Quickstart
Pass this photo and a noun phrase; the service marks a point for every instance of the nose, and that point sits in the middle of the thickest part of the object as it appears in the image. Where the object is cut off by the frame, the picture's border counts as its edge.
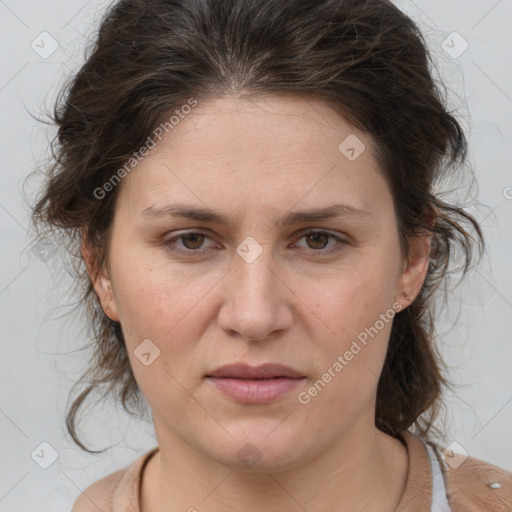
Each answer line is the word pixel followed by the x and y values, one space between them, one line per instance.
pixel 257 303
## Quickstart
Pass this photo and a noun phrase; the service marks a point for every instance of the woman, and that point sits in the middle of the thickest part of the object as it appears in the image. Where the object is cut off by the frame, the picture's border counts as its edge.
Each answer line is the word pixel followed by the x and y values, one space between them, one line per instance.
pixel 250 185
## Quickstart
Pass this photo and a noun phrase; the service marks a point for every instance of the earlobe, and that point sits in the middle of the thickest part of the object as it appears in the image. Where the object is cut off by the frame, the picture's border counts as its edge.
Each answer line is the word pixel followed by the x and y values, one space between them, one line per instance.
pixel 101 281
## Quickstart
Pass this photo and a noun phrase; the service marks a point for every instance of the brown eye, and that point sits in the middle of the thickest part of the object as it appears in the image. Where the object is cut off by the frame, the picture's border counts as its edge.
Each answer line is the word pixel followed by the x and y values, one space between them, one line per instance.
pixel 193 243
pixel 195 240
pixel 320 243
pixel 318 240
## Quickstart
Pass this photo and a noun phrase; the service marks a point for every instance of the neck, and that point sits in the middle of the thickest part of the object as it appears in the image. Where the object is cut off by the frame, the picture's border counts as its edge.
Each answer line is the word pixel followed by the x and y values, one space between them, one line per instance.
pixel 364 470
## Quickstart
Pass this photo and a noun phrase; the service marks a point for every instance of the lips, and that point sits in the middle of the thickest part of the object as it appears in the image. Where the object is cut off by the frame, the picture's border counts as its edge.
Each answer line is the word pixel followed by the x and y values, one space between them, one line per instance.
pixel 264 371
pixel 255 385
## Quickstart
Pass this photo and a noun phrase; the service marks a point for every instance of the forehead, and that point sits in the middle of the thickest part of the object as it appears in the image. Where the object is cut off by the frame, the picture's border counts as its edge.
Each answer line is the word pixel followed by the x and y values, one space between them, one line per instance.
pixel 283 149
pixel 293 127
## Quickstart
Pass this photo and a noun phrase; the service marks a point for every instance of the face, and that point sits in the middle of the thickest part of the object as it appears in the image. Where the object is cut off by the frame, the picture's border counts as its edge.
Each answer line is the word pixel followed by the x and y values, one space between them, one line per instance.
pixel 258 278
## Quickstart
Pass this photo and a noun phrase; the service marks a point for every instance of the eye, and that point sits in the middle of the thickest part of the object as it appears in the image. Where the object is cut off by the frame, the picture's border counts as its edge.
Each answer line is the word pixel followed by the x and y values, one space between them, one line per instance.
pixel 192 243
pixel 317 241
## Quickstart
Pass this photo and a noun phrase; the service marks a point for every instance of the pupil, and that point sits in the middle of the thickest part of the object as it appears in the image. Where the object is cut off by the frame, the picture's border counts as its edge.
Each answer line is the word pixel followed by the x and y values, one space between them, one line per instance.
pixel 195 236
pixel 315 238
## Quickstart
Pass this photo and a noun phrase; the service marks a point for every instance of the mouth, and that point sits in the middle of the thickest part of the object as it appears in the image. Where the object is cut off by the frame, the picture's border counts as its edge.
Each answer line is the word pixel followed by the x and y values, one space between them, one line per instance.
pixel 264 371
pixel 255 385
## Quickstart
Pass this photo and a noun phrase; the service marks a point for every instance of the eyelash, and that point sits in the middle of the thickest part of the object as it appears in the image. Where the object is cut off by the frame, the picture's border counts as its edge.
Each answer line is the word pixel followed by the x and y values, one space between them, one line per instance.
pixel 168 243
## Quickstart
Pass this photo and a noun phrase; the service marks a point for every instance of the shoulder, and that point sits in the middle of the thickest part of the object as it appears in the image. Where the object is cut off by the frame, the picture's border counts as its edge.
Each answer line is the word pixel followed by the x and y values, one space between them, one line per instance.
pixel 100 494
pixel 116 492
pixel 478 486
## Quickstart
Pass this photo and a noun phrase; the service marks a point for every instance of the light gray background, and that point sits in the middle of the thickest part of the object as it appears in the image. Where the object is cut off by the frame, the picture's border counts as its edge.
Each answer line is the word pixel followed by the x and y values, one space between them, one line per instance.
pixel 39 345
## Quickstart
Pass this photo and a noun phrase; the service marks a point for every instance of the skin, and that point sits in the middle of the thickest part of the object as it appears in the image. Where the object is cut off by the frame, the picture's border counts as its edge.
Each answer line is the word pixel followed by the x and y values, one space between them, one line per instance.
pixel 255 161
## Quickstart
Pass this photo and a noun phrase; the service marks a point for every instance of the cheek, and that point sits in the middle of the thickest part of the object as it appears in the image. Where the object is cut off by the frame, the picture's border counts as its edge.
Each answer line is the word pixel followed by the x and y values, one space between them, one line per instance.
pixel 169 306
pixel 354 297
pixel 357 308
pixel 155 298
pixel 157 303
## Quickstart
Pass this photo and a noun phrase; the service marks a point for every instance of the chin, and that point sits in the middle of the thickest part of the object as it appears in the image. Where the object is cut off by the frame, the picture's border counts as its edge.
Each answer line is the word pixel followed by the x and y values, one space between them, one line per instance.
pixel 267 446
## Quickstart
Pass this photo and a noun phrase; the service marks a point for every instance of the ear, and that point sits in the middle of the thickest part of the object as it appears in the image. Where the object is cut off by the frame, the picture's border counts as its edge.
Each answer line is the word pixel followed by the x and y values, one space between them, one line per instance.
pixel 415 269
pixel 100 278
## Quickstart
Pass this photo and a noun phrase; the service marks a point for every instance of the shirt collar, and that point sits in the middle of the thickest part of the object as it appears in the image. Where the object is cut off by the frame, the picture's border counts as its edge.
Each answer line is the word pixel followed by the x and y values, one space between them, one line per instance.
pixel 417 495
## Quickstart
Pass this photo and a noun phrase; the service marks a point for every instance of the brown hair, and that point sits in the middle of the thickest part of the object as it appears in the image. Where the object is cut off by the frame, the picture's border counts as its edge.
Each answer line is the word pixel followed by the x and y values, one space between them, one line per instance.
pixel 365 58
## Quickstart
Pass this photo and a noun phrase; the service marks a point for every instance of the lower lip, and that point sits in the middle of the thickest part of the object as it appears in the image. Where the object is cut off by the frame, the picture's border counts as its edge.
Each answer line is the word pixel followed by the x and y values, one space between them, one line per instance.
pixel 258 391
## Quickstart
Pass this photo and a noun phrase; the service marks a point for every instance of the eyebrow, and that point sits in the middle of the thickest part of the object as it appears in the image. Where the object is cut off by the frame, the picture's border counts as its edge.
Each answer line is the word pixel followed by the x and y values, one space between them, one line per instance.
pixel 201 214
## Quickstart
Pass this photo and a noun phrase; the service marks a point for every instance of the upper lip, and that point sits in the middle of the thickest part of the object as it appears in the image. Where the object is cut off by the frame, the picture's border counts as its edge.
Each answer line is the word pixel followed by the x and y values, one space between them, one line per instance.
pixel 264 371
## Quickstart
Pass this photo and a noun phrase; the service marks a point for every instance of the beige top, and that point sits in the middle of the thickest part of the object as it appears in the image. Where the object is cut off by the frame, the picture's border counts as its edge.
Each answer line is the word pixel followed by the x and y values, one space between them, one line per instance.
pixel 474 486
